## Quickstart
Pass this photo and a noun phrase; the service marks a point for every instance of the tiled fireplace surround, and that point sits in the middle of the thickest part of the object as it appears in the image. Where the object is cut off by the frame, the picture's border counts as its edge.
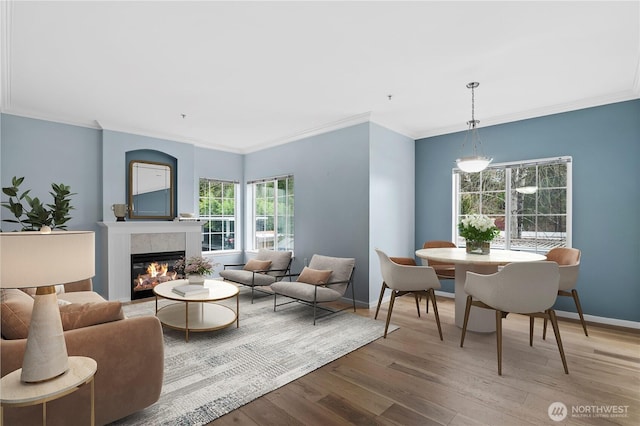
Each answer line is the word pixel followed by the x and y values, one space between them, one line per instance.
pixel 122 239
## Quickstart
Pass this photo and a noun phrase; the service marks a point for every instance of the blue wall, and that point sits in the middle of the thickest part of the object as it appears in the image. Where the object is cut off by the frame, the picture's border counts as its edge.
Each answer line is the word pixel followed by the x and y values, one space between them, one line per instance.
pixel 331 179
pixel 391 200
pixel 605 145
pixel 342 177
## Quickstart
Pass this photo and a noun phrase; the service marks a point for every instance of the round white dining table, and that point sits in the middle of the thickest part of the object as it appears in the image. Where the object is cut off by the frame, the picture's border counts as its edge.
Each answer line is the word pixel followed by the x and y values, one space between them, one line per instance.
pixel 480 320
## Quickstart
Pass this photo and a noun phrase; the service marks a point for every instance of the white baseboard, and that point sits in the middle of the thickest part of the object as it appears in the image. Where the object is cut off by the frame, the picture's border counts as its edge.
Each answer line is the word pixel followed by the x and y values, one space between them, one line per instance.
pixel 573 315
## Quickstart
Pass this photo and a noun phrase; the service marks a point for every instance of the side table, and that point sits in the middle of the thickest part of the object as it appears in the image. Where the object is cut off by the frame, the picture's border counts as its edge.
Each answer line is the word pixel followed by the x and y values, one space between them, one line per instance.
pixel 14 393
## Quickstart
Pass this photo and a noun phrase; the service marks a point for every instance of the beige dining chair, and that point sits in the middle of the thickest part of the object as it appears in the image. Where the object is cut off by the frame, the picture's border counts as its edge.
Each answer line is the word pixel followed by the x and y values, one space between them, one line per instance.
pixel 568 260
pixel 527 288
pixel 405 279
pixel 408 261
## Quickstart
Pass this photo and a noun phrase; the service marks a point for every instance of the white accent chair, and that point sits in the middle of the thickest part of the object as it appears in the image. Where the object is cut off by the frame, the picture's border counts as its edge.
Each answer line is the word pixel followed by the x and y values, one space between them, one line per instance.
pixel 527 288
pixel 279 268
pixel 403 279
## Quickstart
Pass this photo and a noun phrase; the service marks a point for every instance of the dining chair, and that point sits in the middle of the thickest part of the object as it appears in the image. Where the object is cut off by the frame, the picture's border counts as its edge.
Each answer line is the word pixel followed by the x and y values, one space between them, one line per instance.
pixel 527 288
pixel 408 261
pixel 444 270
pixel 568 259
pixel 405 279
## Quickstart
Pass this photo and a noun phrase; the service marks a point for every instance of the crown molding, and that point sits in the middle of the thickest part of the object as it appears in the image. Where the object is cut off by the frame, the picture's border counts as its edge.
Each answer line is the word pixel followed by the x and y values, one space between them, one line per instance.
pixel 536 113
pixel 324 128
pixel 6 19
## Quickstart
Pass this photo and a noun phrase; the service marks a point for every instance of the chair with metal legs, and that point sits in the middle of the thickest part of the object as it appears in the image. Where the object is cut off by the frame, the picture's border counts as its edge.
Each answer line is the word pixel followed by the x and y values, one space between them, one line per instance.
pixel 527 288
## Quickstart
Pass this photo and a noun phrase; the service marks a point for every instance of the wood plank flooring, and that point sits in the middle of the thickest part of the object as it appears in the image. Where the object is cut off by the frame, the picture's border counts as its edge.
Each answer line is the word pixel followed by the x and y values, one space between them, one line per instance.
pixel 413 378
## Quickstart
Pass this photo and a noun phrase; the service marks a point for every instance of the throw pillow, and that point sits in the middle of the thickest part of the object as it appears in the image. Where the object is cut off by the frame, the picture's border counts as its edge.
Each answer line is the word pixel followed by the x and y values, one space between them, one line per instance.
pixel 257 265
pixel 15 313
pixel 78 315
pixel 314 276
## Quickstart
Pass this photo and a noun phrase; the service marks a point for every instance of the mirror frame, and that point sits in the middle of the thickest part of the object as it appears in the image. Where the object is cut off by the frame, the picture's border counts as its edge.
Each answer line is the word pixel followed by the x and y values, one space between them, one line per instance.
pixel 132 214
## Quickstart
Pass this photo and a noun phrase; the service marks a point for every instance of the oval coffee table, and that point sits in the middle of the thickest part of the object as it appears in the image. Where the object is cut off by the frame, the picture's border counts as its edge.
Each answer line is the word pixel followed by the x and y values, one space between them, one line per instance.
pixel 196 313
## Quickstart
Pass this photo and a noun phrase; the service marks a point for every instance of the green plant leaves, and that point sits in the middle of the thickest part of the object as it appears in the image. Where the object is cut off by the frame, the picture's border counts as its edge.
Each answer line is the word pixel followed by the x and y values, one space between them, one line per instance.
pixel 54 215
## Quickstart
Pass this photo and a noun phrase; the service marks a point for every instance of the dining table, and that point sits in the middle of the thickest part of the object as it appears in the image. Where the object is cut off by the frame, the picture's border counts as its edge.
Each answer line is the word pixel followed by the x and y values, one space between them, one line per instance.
pixel 480 320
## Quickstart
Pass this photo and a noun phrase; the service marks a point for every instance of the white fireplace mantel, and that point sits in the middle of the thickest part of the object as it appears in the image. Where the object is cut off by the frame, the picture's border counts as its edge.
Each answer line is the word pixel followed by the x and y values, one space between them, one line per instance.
pixel 117 248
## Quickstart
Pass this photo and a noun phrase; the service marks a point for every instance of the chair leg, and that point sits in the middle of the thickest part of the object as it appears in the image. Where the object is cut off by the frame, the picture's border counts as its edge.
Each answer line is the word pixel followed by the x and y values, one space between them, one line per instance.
pixel 531 323
pixel 467 309
pixel 274 301
pixel 415 295
pixel 393 299
pixel 499 340
pixel 432 295
pixel 576 299
pixel 544 329
pixel 382 289
pixel 556 331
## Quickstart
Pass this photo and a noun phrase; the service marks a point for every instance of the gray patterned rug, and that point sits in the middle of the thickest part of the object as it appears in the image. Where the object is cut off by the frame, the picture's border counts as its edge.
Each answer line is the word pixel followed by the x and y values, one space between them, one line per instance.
pixel 217 372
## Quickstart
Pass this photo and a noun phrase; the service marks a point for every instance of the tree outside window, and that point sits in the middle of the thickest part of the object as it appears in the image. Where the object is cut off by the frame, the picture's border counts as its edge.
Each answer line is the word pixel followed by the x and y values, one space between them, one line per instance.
pixel 529 201
pixel 218 207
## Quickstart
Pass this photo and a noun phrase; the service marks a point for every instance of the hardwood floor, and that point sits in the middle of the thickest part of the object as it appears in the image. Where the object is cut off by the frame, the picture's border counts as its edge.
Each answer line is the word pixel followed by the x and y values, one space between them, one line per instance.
pixel 413 378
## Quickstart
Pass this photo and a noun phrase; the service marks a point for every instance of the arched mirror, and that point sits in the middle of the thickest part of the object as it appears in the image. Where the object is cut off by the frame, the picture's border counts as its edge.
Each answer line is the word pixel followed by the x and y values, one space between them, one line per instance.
pixel 150 190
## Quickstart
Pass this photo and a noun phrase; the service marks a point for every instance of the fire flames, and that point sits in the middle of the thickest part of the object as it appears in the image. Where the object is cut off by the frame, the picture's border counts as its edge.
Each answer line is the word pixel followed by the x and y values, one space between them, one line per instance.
pixel 156 273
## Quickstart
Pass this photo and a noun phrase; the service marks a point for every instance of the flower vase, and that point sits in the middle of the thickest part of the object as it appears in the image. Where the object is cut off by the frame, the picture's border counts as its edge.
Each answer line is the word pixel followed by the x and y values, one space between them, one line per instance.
pixel 196 279
pixel 478 247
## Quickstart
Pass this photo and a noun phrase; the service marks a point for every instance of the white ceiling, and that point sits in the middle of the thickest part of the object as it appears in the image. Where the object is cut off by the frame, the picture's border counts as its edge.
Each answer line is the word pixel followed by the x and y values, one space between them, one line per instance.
pixel 250 75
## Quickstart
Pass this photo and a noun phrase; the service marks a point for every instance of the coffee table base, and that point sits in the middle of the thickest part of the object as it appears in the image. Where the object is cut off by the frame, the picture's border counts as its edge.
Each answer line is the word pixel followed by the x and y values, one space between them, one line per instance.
pixel 196 316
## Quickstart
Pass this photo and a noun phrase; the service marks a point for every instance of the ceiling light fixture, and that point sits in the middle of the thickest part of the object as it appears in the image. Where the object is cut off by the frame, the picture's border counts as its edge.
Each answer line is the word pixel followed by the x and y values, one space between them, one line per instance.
pixel 476 162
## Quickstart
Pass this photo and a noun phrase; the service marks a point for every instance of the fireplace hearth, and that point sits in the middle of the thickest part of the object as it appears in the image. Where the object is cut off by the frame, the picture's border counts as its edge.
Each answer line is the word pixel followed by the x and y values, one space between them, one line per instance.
pixel 150 269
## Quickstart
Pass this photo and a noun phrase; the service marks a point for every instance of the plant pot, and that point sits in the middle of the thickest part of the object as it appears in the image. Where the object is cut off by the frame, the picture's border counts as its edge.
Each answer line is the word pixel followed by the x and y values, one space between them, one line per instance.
pixel 196 279
pixel 478 247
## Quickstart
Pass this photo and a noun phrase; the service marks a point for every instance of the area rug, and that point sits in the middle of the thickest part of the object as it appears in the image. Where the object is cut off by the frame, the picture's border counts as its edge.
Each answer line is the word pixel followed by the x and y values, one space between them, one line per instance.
pixel 217 372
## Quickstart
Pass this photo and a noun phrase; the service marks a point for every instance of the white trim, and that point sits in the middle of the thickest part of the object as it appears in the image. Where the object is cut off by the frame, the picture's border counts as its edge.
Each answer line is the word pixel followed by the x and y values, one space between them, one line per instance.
pixel 540 112
pixel 324 128
pixel 600 320
pixel 6 20
pixel 572 315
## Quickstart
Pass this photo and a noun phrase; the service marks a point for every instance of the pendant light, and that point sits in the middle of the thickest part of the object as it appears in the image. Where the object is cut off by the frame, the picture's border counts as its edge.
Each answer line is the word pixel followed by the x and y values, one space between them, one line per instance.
pixel 477 161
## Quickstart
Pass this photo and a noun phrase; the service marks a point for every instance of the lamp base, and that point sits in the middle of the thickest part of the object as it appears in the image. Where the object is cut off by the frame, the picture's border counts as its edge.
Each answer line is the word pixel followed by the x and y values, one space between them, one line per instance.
pixel 45 356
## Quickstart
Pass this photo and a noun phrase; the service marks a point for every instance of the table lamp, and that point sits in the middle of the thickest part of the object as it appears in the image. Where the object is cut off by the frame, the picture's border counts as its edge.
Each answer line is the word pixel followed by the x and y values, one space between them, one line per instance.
pixel 43 260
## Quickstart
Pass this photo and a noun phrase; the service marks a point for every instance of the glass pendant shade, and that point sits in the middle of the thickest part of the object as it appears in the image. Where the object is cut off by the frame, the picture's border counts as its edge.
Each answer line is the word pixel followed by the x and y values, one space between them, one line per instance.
pixel 477 161
pixel 473 164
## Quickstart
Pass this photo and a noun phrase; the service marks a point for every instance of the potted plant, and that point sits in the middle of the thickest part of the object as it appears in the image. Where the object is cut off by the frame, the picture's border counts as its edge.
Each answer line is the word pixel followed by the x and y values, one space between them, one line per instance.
pixel 478 230
pixel 35 215
pixel 194 268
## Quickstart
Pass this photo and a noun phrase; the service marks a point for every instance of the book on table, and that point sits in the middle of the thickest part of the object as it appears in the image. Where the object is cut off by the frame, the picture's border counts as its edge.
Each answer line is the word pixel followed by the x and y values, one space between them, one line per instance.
pixel 190 290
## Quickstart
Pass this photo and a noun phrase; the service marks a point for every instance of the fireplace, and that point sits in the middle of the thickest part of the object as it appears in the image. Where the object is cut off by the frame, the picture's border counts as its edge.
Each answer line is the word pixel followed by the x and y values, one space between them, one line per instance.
pixel 150 269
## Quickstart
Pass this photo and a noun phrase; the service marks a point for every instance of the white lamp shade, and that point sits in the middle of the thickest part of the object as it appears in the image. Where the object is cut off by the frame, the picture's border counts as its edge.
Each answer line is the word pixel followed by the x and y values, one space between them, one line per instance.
pixel 473 164
pixel 44 259
pixel 35 259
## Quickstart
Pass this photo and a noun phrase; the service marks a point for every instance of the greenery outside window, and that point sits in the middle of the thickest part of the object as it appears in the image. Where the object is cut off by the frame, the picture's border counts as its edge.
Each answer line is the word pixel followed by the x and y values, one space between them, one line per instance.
pixel 529 200
pixel 218 207
pixel 271 213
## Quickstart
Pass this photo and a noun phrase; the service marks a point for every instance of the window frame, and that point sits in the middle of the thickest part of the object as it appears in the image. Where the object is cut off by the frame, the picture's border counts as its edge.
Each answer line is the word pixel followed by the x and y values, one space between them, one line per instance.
pixel 508 167
pixel 237 234
pixel 250 242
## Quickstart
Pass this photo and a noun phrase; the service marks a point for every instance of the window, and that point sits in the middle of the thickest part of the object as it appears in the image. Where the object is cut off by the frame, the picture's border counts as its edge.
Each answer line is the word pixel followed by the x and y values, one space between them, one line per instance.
pixel 530 201
pixel 271 213
pixel 218 208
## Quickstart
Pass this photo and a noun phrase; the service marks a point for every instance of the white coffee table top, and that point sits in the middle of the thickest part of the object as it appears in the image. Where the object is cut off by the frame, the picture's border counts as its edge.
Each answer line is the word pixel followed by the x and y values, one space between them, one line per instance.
pixel 218 290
